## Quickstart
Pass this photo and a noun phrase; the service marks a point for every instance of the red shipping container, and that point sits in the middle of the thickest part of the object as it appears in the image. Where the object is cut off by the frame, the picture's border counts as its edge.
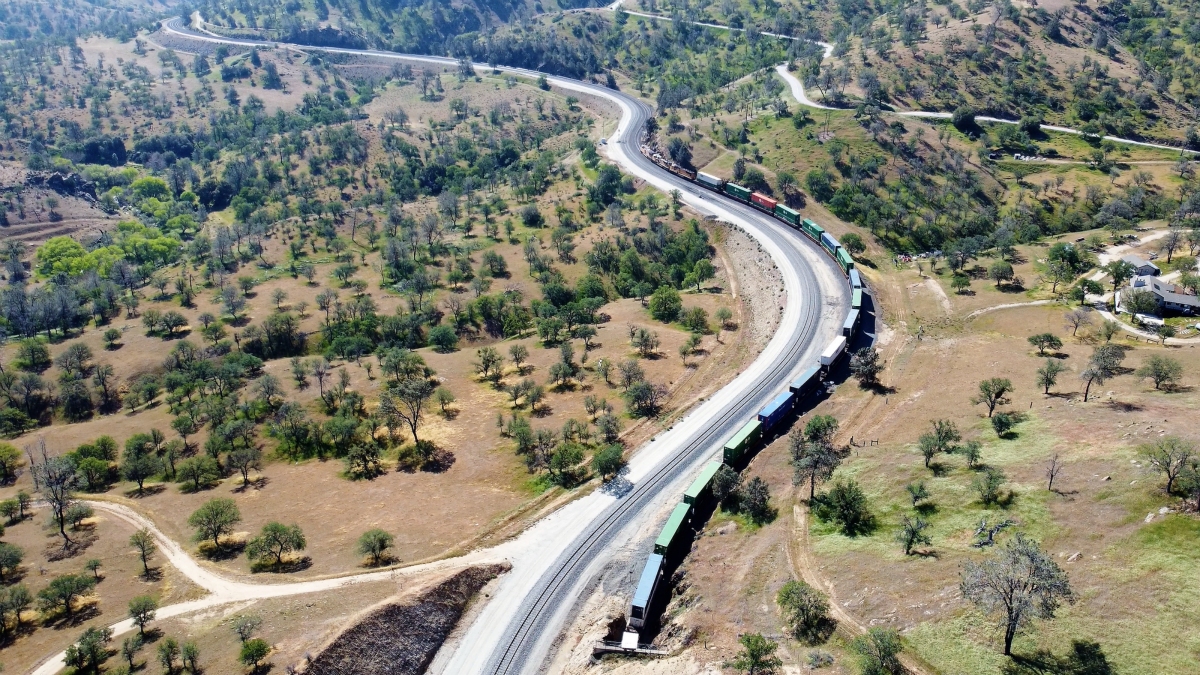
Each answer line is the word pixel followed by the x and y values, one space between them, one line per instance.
pixel 763 201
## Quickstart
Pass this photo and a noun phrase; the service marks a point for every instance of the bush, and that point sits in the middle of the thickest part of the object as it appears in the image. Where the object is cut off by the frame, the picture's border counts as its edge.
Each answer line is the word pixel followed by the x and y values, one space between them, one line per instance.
pixel 845 504
pixel 1003 423
pixel 963 118
pixel 805 609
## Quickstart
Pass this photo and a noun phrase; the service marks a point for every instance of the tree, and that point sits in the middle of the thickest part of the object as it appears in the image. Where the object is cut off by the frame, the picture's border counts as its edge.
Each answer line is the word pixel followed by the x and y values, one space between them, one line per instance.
pixel 1120 272
pixel 971 451
pixel 143 542
pixel 1048 374
pixel 960 283
pixel 130 647
pixel 519 353
pixel 55 478
pixel 443 338
pixel 917 491
pixel 168 652
pixel 988 485
pixel 1104 364
pixel 1044 341
pixel 1169 455
pixel 993 392
pixel 1164 333
pixel 1001 270
pixel 845 504
pixel 214 519
pixel 276 540
pixel 244 460
pixel 63 591
pixel 1003 423
pixel 10 461
pixel 865 366
pixel 444 397
pixel 877 650
pixel 11 556
pixel 490 363
pixel 1077 319
pixel 1109 329
pixel 804 608
pixel 141 611
pixel 813 455
pixel 757 656
pixel 665 304
pixel 374 543
pixel 244 625
pixel 1021 582
pixel 138 465
pixel 754 498
pixel 406 402
pixel 199 470
pixel 90 652
pixel 191 650
pixel 253 652
pixel 1053 468
pixel 1164 370
pixel 607 461
pixel 912 533
pixel 941 438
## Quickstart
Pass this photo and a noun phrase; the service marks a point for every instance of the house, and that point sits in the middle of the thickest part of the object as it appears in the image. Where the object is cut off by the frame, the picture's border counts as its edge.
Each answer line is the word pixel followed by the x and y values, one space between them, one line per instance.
pixel 1143 267
pixel 1171 298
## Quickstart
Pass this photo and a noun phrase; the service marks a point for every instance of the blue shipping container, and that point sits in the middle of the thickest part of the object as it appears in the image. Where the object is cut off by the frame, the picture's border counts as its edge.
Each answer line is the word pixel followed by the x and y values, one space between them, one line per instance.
pixel 829 242
pixel 774 411
pixel 807 381
pixel 644 595
pixel 855 279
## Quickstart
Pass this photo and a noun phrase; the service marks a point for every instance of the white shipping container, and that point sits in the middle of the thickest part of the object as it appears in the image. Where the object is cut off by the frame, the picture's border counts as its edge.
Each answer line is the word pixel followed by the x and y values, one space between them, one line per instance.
pixel 833 351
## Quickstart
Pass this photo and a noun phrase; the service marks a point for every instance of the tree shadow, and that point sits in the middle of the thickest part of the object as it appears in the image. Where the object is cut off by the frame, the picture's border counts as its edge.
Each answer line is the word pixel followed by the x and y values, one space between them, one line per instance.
pixel 926 508
pixel 439 461
pixel 148 491
pixel 817 634
pixel 89 610
pixel 878 388
pixel 543 410
pixel 78 544
pixel 1123 406
pixel 927 553
pixel 227 550
pixel 153 575
pixel 939 469
pixel 256 484
pixel 1085 658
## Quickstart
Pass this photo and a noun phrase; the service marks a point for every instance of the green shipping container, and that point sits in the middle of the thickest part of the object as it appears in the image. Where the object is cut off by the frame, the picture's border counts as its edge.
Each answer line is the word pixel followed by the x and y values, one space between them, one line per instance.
pixel 699 487
pixel 845 260
pixel 789 215
pixel 737 191
pixel 812 229
pixel 856 299
pixel 679 518
pixel 743 439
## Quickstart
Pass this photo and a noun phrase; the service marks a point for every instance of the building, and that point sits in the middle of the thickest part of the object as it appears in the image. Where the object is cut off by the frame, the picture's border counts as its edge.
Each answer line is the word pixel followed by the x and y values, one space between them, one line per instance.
pixel 1171 298
pixel 1144 267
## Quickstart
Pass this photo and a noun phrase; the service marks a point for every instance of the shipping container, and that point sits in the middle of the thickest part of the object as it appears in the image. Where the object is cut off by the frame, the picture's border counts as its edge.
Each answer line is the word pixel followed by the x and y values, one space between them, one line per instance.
pixel 856 298
pixel 790 216
pixel 802 386
pixel 763 202
pixel 850 324
pixel 776 410
pixel 670 532
pixel 830 243
pixel 737 191
pixel 699 490
pixel 855 279
pixel 747 436
pixel 833 351
pixel 709 180
pixel 845 260
pixel 812 229
pixel 644 595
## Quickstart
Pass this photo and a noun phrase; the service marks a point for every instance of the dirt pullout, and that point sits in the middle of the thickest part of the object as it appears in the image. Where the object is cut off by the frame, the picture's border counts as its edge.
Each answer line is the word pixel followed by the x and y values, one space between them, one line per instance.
pixel 402 638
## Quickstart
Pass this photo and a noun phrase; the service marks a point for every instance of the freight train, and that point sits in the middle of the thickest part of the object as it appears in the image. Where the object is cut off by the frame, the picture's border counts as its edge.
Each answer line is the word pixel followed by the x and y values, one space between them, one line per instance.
pixel 763 203
pixel 672 540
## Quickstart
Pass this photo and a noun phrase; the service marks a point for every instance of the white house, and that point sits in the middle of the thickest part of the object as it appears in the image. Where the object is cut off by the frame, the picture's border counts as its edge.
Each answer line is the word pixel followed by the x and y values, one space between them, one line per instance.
pixel 1171 298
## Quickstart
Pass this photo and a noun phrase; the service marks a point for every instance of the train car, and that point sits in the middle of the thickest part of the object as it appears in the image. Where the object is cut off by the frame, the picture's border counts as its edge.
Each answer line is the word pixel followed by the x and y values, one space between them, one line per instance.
pixel 856 299
pixel 850 324
pixel 776 410
pixel 763 202
pixel 686 173
pixel 855 279
pixel 830 243
pixel 789 216
pixel 675 524
pixel 737 192
pixel 834 351
pixel 701 488
pixel 644 595
pixel 844 260
pixel 710 181
pixel 812 229
pixel 804 385
pixel 747 436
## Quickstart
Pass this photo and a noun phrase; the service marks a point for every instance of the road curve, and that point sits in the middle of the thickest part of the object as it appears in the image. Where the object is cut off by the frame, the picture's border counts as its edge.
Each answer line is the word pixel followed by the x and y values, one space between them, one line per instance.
pixel 558 556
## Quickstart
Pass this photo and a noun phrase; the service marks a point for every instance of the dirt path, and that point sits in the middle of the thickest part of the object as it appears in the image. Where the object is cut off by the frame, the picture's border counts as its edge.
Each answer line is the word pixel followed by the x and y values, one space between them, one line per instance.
pixel 802 563
pixel 1010 305
pixel 225 591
